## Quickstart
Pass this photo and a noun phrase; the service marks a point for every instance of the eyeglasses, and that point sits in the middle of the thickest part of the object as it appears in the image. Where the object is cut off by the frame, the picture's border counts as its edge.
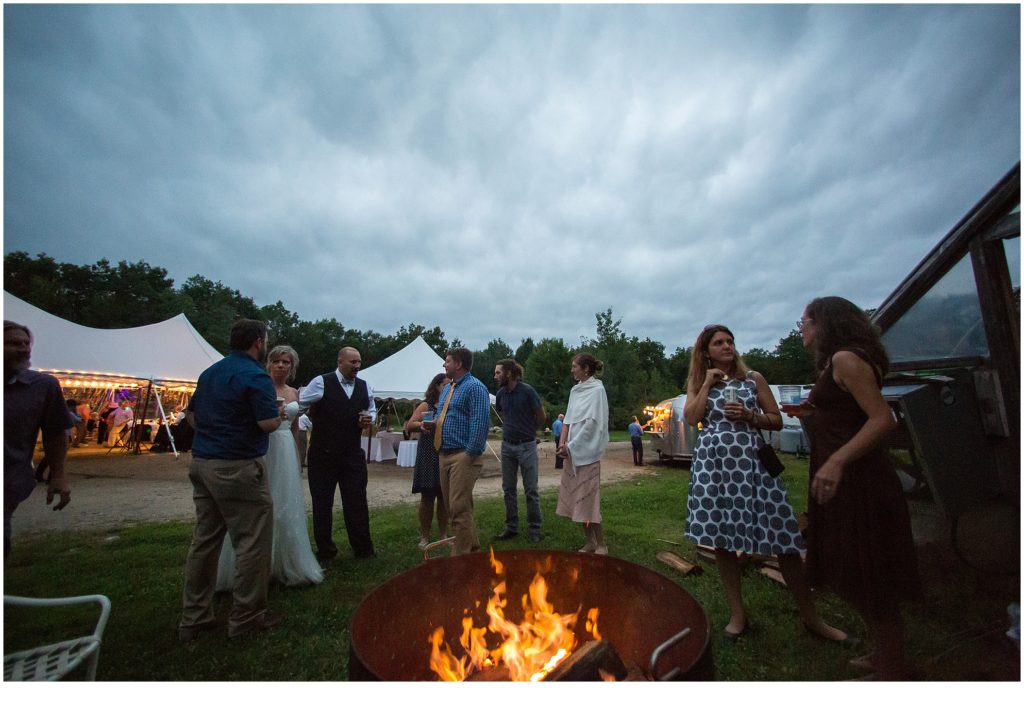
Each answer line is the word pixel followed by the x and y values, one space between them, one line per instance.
pixel 803 322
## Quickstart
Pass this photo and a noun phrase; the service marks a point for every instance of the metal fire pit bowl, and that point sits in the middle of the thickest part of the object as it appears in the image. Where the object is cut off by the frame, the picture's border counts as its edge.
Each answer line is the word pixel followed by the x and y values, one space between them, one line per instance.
pixel 641 613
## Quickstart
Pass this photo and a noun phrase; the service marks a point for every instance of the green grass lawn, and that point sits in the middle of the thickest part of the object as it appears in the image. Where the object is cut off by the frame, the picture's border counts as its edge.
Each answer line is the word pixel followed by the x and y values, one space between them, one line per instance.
pixel 957 633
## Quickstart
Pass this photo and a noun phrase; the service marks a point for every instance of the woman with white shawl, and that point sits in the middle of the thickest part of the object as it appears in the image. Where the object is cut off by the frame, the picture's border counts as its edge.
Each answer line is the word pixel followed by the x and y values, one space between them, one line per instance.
pixel 583 441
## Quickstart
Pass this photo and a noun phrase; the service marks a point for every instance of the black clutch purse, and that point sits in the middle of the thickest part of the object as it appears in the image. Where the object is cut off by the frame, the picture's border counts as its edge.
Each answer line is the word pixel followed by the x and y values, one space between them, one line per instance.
pixel 769 460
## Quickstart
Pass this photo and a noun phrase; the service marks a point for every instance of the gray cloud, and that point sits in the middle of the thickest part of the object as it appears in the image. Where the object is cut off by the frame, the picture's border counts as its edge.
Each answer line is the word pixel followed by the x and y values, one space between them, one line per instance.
pixel 508 171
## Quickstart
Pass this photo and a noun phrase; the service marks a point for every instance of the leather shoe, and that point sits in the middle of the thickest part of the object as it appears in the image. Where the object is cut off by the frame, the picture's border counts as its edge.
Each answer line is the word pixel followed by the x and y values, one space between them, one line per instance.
pixel 325 561
pixel 190 633
pixel 535 537
pixel 265 622
pixel 506 535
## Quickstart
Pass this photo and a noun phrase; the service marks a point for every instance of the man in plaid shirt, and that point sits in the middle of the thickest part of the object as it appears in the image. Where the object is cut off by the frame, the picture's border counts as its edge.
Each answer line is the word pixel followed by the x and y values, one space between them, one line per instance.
pixel 460 436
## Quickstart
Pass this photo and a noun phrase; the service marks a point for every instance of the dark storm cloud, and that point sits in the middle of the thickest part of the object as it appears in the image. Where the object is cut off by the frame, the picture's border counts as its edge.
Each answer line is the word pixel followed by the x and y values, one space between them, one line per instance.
pixel 508 171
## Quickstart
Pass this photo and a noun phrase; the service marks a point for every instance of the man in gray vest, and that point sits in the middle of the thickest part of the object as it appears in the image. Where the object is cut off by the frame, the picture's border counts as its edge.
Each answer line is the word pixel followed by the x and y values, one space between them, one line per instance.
pixel 341 408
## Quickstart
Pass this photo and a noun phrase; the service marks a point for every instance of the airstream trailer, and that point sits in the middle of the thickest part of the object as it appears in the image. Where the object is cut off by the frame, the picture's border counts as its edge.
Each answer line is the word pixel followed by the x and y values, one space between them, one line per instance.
pixel 671 437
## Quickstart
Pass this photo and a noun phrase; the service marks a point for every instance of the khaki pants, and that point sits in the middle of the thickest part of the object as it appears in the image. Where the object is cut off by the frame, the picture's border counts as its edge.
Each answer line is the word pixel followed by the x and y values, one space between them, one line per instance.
pixel 459 472
pixel 231 497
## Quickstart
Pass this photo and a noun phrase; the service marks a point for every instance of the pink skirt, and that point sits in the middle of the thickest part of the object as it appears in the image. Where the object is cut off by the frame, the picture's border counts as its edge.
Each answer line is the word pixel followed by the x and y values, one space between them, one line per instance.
pixel 579 495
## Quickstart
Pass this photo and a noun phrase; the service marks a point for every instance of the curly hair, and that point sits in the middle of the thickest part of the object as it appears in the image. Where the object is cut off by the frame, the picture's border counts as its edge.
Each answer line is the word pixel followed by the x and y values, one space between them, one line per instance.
pixel 511 368
pixel 838 324
pixel 699 357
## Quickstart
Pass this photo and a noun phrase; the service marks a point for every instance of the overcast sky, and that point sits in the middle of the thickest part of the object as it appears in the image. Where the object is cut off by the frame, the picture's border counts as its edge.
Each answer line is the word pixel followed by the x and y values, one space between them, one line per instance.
pixel 510 171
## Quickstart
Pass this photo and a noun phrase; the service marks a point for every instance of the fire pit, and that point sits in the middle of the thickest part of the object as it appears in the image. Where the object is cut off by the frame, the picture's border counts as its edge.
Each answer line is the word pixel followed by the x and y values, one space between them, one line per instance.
pixel 641 614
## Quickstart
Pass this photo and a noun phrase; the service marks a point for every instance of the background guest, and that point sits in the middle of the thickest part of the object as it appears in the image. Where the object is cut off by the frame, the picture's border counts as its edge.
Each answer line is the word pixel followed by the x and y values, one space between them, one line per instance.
pixel 426 474
pixel 33 401
pixel 859 538
pixel 583 442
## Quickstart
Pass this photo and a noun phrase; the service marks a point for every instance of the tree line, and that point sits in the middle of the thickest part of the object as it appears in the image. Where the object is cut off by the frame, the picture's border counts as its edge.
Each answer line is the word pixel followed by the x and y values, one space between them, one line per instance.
pixel 636 372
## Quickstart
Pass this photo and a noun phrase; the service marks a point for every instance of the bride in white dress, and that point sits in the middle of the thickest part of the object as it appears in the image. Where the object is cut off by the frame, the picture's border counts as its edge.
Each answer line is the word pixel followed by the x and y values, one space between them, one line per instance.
pixel 293 562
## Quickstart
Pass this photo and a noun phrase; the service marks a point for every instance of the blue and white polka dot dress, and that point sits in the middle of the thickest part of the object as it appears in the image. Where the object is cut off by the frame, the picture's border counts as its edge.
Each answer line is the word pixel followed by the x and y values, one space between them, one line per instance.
pixel 733 503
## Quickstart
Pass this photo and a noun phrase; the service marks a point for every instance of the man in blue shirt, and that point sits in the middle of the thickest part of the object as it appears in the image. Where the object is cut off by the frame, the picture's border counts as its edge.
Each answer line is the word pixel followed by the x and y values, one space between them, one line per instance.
pixel 636 437
pixel 233 410
pixel 521 413
pixel 556 428
pixel 460 438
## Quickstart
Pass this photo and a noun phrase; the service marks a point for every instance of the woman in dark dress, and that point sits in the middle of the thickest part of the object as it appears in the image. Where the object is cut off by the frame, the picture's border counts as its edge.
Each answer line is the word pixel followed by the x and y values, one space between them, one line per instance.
pixel 426 474
pixel 859 538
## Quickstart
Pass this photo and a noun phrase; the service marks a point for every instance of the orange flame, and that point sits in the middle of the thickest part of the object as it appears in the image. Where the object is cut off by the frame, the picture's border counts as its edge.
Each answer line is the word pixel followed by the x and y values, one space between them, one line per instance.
pixel 529 650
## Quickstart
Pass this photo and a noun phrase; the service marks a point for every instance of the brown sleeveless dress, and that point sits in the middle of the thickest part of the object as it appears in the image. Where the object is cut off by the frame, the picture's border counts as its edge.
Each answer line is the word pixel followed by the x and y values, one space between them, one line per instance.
pixel 860 543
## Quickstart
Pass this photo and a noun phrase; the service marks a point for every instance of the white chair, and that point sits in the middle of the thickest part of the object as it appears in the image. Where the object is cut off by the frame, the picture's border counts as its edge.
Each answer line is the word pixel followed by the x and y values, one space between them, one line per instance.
pixel 55 661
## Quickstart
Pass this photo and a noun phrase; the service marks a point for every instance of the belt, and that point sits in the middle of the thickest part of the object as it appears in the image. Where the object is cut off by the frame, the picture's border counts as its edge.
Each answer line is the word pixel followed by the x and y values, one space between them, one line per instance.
pixel 525 440
pixel 451 451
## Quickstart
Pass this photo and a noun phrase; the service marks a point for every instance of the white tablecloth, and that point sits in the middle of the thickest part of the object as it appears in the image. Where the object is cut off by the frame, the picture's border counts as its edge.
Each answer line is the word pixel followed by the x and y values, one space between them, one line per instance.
pixel 384 446
pixel 407 453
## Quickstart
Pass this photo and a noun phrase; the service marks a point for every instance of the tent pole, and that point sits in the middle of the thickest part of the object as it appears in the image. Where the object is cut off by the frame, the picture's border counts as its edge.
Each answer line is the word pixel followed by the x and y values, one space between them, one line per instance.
pixel 167 426
pixel 137 448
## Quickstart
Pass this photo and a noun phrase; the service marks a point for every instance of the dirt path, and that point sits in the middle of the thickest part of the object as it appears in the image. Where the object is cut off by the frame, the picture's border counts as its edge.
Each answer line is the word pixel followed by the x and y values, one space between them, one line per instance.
pixel 112 490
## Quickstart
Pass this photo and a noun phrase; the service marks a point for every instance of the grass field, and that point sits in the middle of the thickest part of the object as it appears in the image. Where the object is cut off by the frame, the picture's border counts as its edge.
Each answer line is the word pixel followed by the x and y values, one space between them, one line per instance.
pixel 957 633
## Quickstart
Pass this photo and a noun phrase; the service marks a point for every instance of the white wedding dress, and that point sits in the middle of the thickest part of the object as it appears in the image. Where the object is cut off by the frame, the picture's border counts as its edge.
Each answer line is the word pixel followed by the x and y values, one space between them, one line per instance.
pixel 293 562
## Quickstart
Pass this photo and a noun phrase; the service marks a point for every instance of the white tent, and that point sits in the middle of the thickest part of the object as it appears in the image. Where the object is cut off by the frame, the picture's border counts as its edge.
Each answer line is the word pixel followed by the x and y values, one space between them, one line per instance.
pixel 170 352
pixel 406 374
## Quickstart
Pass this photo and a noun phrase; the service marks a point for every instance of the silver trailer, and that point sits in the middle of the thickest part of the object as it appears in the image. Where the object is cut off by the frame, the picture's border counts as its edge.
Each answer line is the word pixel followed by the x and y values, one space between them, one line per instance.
pixel 671 437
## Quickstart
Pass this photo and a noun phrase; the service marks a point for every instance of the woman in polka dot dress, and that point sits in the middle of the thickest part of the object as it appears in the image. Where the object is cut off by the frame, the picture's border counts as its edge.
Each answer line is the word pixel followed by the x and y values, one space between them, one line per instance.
pixel 734 504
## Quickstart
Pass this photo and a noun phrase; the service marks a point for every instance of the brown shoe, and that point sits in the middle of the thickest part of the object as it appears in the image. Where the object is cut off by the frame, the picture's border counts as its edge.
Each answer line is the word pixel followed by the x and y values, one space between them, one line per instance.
pixel 265 622
pixel 187 634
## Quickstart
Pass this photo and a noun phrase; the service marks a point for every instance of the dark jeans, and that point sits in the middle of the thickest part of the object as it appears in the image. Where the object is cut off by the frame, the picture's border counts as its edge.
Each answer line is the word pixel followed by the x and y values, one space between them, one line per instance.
pixel 516 459
pixel 638 450
pixel 346 472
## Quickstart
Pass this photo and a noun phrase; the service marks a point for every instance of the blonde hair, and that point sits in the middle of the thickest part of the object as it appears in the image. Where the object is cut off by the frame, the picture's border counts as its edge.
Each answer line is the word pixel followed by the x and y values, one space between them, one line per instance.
pixel 277 351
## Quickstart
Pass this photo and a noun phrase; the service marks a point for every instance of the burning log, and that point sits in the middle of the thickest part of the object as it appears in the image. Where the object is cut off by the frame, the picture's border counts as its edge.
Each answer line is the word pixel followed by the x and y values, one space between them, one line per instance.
pixel 592 662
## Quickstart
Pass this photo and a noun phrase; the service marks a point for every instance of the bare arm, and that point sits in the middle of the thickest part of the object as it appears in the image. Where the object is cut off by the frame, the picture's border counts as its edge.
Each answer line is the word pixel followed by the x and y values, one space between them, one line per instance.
pixel 856 377
pixel 55 445
pixel 697 398
pixel 415 422
pixel 772 419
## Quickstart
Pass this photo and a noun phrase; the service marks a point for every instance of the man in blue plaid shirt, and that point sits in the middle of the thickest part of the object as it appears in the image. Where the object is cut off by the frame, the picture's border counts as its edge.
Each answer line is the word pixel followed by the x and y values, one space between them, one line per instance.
pixel 460 437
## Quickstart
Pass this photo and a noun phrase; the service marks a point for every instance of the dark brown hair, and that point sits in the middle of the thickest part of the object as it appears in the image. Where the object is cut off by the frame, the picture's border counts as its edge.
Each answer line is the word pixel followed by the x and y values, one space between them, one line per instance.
pixel 589 363
pixel 433 393
pixel 699 357
pixel 463 356
pixel 512 368
pixel 839 323
pixel 245 332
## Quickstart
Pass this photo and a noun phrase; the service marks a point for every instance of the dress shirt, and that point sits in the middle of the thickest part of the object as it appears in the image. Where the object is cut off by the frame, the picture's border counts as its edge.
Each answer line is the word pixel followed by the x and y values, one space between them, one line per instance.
pixel 635 430
pixel 32 401
pixel 232 396
pixel 314 392
pixel 468 417
pixel 518 411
